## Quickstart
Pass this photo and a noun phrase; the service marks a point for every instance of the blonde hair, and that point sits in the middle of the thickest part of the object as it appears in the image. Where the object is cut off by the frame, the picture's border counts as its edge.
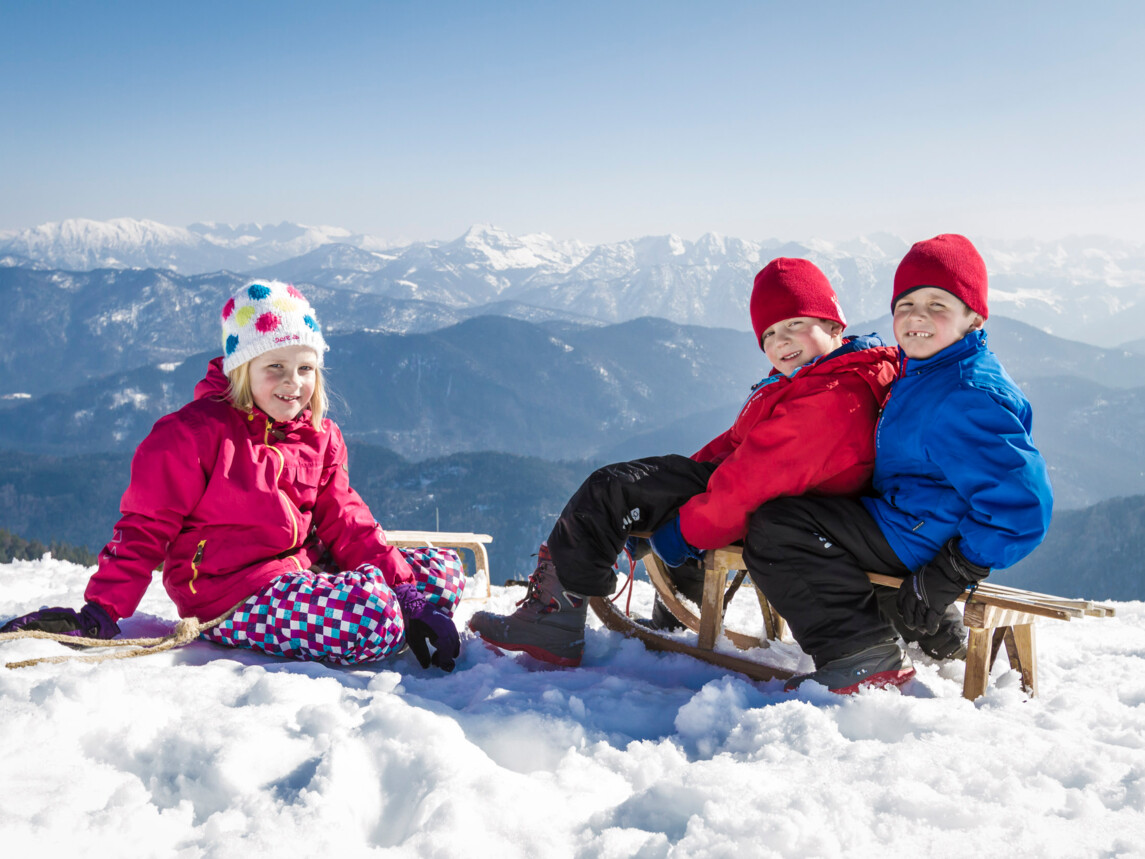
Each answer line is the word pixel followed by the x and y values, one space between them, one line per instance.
pixel 242 397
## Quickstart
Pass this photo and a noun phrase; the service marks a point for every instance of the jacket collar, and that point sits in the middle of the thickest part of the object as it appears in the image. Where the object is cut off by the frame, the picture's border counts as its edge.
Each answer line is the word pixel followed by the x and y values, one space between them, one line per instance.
pixel 973 342
pixel 851 343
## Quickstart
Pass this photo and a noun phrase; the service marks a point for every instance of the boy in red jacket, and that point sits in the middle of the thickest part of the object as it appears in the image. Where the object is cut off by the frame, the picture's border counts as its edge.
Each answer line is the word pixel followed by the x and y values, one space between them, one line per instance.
pixel 806 428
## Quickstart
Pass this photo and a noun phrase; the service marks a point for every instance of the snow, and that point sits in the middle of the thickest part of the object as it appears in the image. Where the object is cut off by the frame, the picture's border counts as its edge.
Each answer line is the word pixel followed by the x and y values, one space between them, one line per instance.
pixel 500 251
pixel 208 751
pixel 129 396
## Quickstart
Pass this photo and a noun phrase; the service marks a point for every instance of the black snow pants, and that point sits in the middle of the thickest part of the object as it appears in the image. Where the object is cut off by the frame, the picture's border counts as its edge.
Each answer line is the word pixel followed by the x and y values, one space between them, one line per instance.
pixel 615 500
pixel 809 557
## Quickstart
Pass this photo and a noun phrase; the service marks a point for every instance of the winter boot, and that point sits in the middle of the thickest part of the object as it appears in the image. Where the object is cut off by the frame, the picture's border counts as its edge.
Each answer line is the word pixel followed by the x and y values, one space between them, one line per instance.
pixel 949 642
pixel 689 581
pixel 548 623
pixel 661 620
pixel 875 667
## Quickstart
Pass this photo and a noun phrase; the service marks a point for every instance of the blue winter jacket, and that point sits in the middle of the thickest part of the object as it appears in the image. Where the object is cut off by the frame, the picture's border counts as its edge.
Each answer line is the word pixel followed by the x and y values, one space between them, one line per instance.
pixel 953 456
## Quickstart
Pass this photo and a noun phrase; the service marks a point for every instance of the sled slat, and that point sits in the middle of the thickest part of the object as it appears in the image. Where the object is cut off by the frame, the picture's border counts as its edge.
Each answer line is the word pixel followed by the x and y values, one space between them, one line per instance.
pixel 475 543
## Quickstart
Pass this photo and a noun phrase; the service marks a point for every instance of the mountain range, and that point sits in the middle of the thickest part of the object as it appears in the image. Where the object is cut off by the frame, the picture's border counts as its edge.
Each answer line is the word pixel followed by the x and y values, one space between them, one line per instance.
pixel 1090 289
pixel 480 380
pixel 64 328
pixel 80 244
pixel 565 391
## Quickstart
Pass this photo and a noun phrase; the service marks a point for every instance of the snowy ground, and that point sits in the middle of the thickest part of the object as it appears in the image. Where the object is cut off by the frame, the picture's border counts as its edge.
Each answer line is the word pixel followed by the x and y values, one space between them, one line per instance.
pixel 213 752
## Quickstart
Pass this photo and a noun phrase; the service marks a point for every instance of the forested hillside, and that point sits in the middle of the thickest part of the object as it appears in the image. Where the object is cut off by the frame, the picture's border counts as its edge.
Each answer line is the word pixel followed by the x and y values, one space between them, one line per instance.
pixel 1095 553
pixel 75 500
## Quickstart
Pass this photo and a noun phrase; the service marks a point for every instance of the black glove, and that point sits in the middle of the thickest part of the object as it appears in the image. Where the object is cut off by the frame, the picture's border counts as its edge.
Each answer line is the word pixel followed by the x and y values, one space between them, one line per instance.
pixel 89 622
pixel 926 593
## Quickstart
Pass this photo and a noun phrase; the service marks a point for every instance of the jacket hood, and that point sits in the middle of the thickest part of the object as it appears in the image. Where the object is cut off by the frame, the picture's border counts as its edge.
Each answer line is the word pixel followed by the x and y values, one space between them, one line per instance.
pixel 857 350
pixel 853 343
pixel 215 384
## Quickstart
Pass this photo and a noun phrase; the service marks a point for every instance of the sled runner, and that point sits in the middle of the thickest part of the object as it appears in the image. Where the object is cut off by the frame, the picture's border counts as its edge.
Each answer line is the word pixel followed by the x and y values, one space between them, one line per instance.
pixel 995 616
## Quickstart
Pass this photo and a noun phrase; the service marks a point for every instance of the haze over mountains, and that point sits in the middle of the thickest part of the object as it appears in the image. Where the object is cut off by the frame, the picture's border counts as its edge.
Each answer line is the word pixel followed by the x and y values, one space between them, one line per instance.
pixel 1090 289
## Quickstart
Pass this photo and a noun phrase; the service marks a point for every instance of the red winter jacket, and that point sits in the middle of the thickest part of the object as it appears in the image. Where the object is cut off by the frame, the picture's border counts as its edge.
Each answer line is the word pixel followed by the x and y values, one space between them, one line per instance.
pixel 811 433
pixel 226 501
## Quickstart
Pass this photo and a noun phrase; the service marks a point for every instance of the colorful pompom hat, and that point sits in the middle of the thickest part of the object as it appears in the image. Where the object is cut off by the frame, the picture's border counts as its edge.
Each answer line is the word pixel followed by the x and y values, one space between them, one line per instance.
pixel 264 315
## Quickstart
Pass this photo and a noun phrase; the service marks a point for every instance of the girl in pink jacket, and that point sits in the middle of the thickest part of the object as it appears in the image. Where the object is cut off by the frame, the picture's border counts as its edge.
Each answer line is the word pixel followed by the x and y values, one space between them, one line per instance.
pixel 241 491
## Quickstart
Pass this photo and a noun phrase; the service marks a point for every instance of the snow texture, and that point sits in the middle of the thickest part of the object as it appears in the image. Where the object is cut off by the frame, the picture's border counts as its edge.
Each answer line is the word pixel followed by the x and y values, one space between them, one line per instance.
pixel 207 751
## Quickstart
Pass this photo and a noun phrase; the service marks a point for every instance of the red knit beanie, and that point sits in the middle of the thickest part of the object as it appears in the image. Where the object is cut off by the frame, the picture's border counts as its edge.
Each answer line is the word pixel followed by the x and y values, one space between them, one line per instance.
pixel 787 288
pixel 948 262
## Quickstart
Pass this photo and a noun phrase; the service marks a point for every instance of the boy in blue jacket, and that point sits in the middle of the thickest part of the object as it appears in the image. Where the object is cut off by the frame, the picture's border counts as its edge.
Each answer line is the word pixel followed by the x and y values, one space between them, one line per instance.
pixel 961 490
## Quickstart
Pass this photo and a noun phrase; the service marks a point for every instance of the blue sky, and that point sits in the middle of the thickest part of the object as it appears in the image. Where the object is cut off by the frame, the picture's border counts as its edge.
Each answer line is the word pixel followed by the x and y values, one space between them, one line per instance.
pixel 585 120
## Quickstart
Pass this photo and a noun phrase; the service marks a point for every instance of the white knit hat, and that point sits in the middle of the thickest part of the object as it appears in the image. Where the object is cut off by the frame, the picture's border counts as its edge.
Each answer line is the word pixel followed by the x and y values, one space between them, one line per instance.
pixel 265 315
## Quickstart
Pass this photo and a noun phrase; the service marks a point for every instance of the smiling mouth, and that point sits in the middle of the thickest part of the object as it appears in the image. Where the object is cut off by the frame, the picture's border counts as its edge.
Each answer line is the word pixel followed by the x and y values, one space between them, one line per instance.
pixel 791 357
pixel 923 334
pixel 286 399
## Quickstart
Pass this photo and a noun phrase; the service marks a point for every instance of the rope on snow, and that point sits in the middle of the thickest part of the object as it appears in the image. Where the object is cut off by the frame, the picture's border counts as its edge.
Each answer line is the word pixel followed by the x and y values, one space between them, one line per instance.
pixel 186 631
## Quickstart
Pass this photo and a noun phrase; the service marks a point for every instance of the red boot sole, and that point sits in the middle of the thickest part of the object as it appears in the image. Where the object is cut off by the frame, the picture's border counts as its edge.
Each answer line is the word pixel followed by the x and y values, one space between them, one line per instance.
pixel 535 652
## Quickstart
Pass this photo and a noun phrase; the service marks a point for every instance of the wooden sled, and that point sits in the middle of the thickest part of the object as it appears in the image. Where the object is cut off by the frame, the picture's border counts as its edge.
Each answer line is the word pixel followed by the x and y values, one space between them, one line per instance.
pixel 475 543
pixel 995 616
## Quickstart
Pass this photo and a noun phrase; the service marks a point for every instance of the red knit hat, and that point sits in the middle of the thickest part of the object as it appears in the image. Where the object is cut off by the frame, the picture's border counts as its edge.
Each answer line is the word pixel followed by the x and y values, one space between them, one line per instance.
pixel 787 288
pixel 948 262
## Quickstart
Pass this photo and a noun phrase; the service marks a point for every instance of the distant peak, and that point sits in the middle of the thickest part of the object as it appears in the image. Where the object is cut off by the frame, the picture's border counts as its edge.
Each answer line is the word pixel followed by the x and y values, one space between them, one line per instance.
pixel 486 231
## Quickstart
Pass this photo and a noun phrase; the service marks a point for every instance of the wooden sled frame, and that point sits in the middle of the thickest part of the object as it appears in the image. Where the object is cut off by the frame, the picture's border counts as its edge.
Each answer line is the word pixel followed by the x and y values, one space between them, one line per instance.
pixel 475 543
pixel 995 616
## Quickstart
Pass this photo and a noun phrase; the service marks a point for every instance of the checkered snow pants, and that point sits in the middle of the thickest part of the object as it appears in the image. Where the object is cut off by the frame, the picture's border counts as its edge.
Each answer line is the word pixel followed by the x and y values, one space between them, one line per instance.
pixel 346 618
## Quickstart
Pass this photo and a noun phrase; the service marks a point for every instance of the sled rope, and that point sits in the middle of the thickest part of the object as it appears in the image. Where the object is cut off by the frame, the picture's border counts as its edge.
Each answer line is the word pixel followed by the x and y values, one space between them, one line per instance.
pixel 627 583
pixel 186 631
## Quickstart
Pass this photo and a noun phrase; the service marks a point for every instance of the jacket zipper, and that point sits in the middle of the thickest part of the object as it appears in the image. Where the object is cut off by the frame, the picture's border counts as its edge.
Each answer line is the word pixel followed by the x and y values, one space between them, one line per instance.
pixel 195 561
pixel 277 477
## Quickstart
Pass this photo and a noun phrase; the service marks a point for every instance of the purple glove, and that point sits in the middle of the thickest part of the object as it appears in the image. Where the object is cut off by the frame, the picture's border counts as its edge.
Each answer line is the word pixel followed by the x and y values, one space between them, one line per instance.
pixel 424 621
pixel 89 622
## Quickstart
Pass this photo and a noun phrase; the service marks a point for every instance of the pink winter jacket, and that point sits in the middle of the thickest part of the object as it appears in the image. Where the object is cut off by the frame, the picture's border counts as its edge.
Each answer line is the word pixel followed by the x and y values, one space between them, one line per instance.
pixel 227 501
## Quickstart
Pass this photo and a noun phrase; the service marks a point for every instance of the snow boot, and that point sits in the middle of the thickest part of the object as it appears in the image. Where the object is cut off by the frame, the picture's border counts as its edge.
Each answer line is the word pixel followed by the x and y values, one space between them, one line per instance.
pixel 548 623
pixel 950 640
pixel 689 581
pixel 873 668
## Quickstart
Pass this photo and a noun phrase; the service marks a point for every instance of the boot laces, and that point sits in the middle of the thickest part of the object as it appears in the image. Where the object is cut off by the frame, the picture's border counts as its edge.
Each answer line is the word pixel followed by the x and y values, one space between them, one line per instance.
pixel 533 594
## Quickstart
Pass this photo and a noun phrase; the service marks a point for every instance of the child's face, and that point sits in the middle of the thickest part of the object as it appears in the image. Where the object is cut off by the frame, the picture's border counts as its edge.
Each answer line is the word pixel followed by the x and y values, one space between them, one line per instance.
pixel 791 343
pixel 282 380
pixel 929 319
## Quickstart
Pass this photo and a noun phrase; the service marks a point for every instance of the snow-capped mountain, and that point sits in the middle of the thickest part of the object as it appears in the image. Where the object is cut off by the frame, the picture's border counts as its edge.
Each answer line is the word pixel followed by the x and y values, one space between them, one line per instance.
pixel 485 264
pixel 1090 289
pixel 80 244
